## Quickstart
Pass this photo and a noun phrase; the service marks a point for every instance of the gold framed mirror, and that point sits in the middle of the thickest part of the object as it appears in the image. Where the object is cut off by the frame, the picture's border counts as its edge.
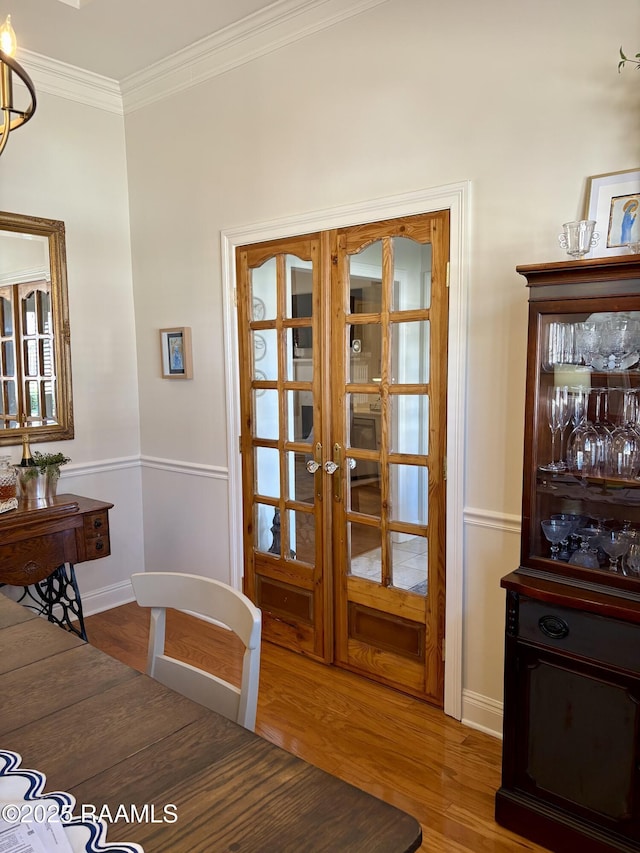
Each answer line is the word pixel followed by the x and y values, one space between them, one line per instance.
pixel 35 340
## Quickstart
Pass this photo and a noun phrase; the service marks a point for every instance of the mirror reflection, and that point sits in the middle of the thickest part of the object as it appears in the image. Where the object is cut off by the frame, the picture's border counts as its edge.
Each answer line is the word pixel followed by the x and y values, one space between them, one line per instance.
pixel 35 361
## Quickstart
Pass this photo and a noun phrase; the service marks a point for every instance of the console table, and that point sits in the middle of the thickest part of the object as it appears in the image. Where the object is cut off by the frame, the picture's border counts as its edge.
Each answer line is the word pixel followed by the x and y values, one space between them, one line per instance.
pixel 39 545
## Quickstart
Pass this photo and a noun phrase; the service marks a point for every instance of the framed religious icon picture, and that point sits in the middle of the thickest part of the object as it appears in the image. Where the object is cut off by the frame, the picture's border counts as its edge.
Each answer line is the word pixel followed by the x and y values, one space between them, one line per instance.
pixel 175 347
pixel 613 201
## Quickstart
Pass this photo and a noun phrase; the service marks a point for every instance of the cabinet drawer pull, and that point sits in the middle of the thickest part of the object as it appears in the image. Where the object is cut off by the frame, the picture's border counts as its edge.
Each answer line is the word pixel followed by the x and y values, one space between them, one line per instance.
pixel 99 545
pixel 553 627
pixel 97 522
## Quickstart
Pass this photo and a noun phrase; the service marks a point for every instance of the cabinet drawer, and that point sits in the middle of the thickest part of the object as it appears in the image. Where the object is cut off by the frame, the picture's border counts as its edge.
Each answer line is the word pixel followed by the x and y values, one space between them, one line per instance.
pixel 596 638
pixel 96 535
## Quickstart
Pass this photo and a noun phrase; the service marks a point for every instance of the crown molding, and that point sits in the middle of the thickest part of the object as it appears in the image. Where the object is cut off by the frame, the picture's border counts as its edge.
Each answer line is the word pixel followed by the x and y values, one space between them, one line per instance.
pixel 72 83
pixel 268 30
pixel 281 23
pixel 24 276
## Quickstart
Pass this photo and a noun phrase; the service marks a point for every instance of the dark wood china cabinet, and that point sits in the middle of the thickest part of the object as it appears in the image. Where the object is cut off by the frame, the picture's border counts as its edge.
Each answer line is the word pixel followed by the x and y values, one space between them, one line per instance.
pixel 571 752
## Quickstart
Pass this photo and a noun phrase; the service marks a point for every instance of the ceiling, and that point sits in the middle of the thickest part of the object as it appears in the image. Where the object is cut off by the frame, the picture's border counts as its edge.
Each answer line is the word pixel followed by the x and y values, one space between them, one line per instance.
pixel 117 38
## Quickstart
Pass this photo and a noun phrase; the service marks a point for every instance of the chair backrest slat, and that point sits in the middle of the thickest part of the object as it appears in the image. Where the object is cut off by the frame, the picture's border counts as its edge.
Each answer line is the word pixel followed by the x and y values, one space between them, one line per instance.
pixel 213 600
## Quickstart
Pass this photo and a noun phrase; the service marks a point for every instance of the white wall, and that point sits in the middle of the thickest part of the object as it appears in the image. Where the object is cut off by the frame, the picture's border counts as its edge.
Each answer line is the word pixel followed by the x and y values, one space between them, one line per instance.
pixel 522 99
pixel 69 163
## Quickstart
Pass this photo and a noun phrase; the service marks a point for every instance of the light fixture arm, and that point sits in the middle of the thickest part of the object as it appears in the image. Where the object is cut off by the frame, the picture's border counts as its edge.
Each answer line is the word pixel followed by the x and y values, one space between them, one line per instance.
pixel 12 117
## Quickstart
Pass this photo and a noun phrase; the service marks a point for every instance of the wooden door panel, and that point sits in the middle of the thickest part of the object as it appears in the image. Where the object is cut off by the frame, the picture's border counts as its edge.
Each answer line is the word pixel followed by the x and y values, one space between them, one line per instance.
pixel 386 667
pixel 354 573
pixel 385 626
pixel 283 528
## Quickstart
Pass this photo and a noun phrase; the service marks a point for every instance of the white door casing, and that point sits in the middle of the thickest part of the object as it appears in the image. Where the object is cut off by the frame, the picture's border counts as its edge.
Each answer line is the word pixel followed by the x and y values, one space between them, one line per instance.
pixel 456 199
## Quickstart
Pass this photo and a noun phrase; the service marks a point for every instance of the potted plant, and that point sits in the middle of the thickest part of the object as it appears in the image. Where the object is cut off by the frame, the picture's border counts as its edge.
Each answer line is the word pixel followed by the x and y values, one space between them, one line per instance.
pixel 48 466
pixel 38 480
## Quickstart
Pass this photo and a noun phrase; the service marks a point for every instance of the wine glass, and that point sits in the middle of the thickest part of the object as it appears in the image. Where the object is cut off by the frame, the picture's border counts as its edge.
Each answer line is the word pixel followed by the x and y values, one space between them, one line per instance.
pixel 555 530
pixel 615 544
pixel 582 444
pixel 558 417
pixel 632 559
pixel 575 521
pixel 603 427
pixel 585 555
pixel 624 457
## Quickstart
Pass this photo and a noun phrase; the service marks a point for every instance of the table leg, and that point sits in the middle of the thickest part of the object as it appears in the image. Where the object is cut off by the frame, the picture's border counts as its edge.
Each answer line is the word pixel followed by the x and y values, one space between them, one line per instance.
pixel 61 590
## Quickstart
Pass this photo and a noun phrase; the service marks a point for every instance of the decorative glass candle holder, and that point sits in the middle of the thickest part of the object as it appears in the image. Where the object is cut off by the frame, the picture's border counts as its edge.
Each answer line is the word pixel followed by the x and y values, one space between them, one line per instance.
pixel 578 237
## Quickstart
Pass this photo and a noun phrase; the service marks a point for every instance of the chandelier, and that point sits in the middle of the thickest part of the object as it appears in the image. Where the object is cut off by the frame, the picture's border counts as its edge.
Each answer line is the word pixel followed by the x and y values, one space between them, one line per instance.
pixel 11 116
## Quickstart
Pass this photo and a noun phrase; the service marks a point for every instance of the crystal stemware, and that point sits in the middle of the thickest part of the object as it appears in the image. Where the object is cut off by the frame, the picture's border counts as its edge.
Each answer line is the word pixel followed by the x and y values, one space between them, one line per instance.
pixel 586 556
pixel 587 339
pixel 582 444
pixel 624 456
pixel 615 544
pixel 575 521
pixel 558 417
pixel 555 530
pixel 603 428
pixel 632 560
pixel 620 340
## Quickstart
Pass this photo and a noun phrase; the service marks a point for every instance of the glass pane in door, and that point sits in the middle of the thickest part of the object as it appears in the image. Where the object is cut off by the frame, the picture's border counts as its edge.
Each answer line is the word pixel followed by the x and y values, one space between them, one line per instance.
pixel 299 287
pixel 265 355
pixel 264 343
pixel 365 280
pixel 410 423
pixel 364 491
pixel 267 466
pixel 411 274
pixel 409 488
pixel 266 413
pixel 409 562
pixel 365 560
pixel 300 480
pixel 299 415
pixel 302 536
pixel 264 288
pixel 410 359
pixel 267 528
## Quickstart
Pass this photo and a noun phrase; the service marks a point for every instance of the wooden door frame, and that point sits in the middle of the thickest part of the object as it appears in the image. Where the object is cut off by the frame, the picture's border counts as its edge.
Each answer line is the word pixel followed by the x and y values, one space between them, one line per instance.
pixel 456 199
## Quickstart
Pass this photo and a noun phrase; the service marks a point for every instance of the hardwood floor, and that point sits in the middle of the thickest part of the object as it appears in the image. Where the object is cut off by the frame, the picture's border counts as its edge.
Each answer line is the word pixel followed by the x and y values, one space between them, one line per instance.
pixel 395 747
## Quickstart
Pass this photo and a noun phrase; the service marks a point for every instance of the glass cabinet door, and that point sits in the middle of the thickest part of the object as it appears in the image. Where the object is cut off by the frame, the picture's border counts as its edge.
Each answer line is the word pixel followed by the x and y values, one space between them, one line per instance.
pixel 585 449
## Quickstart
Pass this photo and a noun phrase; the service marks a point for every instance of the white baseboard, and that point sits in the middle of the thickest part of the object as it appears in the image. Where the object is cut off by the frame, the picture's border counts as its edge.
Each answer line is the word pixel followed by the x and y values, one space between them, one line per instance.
pixel 107 597
pixel 481 713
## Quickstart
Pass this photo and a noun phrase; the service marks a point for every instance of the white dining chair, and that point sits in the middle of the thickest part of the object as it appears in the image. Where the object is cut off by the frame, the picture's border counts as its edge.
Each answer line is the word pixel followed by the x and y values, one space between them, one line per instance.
pixel 213 601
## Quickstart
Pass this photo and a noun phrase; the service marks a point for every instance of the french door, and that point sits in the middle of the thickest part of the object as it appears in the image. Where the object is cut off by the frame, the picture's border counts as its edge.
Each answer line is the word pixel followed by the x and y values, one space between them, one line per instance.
pixel 343 354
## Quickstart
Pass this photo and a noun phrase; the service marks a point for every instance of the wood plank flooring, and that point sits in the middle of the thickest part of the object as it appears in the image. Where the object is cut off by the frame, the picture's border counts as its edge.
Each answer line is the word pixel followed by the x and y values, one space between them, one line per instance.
pixel 394 746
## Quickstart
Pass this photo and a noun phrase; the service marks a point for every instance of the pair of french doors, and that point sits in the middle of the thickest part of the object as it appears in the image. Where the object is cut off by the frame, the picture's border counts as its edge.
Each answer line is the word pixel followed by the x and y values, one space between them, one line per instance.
pixel 343 354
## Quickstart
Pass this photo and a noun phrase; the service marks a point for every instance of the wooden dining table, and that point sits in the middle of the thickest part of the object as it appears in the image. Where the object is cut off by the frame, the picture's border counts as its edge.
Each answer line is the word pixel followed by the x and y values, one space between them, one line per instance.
pixel 126 746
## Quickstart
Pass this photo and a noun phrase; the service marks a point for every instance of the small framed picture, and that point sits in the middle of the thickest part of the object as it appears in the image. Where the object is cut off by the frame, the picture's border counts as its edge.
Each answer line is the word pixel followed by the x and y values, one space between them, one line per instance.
pixel 613 201
pixel 175 347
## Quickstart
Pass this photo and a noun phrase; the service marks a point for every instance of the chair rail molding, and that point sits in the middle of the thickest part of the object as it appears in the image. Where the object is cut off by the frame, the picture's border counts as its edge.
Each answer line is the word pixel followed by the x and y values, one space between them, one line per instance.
pixel 453 197
pixel 175 466
pixel 505 522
